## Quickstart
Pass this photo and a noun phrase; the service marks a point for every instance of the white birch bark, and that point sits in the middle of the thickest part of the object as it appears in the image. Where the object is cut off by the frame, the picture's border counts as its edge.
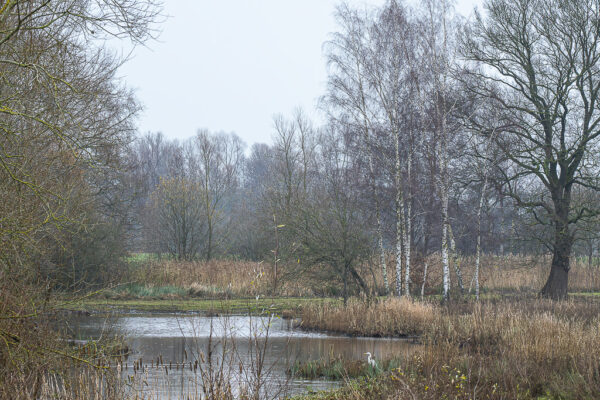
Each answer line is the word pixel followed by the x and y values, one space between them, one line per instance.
pixel 442 156
pixel 445 261
pixel 399 219
pixel 386 283
pixel 478 251
pixel 407 232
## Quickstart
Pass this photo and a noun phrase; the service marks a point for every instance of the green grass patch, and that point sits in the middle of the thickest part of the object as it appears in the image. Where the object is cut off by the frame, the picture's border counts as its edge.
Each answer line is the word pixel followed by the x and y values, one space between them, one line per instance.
pixel 338 369
pixel 585 294
pixel 286 306
pixel 141 257
pixel 361 388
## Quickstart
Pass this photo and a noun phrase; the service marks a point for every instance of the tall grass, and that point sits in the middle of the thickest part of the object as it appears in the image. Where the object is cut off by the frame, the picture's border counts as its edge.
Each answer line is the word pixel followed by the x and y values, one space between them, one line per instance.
pixel 392 317
pixel 494 349
pixel 230 278
pixel 215 279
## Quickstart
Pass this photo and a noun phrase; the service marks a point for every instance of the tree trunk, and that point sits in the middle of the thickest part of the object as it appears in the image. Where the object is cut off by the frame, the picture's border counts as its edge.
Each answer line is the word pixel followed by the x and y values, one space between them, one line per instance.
pixel 399 218
pixel 424 280
pixel 478 250
pixel 557 284
pixel 276 260
pixel 345 293
pixel 209 245
pixel 455 262
pixel 407 232
pixel 382 261
pixel 445 261
pixel 361 282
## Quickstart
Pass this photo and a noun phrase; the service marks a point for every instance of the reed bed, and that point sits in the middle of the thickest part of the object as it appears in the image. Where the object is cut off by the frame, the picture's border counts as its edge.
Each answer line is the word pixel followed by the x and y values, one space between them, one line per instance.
pixel 221 279
pixel 216 279
pixel 392 317
pixel 517 349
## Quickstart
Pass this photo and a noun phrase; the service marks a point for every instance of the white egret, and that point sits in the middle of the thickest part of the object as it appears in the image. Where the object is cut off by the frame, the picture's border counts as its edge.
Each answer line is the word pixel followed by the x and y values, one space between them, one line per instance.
pixel 371 361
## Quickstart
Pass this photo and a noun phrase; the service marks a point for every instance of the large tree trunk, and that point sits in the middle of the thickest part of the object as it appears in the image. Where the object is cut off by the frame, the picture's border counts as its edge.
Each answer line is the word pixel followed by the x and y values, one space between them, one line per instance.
pixel 557 284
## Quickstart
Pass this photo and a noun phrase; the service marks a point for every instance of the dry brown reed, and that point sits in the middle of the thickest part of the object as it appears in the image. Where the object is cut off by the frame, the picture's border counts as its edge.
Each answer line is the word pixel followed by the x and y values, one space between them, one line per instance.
pixel 216 278
pixel 503 274
pixel 392 317
pixel 229 278
pixel 494 349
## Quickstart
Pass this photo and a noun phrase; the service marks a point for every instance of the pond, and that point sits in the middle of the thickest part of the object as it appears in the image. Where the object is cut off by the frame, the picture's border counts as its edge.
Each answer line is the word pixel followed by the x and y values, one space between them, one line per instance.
pixel 173 352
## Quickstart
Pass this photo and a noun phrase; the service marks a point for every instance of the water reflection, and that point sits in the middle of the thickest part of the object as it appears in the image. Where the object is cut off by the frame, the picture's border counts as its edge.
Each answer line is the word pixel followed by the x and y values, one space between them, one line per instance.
pixel 177 342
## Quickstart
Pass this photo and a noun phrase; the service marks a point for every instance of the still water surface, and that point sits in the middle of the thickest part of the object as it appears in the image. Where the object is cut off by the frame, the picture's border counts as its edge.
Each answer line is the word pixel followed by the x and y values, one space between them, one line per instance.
pixel 178 340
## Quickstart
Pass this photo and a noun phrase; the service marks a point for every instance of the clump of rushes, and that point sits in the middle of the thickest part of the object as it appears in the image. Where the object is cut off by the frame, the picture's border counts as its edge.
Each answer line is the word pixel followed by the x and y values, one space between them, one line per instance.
pixel 517 349
pixel 339 368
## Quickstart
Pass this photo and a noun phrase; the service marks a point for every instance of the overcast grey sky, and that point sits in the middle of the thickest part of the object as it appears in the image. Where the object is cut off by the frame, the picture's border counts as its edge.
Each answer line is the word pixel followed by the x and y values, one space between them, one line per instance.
pixel 232 64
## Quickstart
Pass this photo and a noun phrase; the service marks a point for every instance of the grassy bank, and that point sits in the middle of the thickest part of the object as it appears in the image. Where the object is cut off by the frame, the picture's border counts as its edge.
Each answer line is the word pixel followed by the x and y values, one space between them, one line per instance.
pixel 517 349
pixel 287 306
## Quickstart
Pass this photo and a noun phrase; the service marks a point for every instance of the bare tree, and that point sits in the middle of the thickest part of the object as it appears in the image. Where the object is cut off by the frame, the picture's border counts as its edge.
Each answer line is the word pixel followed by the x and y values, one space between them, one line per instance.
pixel 327 227
pixel 440 54
pixel 66 119
pixel 179 212
pixel 537 62
pixel 217 164
pixel 348 56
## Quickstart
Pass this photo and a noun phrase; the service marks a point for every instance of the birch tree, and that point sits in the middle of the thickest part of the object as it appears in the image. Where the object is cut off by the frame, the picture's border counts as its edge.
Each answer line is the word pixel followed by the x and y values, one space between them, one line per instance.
pixel 438 42
pixel 388 74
